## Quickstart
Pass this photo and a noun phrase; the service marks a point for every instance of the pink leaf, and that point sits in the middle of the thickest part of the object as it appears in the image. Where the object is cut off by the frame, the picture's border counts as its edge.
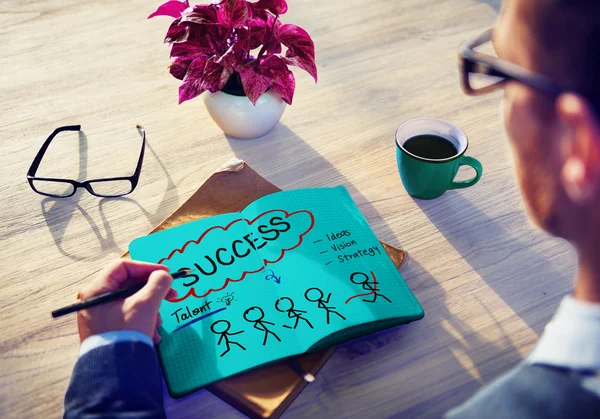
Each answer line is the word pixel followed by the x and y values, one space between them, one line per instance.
pixel 277 7
pixel 233 13
pixel 202 14
pixel 179 67
pixel 261 32
pixel 233 58
pixel 253 82
pixel 177 32
pixel 215 75
pixel 282 79
pixel 301 49
pixel 192 82
pixel 170 8
pixel 259 9
pixel 189 49
pixel 251 37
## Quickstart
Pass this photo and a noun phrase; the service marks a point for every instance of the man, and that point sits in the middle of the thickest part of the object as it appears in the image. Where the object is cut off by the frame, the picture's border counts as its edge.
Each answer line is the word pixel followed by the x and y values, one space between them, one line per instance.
pixel 548 61
pixel 552 117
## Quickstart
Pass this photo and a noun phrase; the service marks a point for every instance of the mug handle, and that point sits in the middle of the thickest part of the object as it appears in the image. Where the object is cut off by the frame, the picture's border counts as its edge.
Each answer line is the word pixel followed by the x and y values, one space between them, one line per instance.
pixel 474 163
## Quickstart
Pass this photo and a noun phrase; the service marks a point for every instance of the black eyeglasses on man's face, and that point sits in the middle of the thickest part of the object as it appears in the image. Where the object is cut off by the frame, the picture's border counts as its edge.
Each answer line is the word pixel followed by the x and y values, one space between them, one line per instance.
pixel 481 73
pixel 62 188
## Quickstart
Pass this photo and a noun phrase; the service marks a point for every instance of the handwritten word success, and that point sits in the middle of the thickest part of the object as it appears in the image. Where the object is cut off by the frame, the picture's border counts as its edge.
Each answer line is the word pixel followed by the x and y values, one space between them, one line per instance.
pixel 225 254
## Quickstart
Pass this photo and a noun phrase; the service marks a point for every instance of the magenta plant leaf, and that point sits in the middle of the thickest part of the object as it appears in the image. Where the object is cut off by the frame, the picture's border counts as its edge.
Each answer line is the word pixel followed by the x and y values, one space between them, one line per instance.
pixel 192 82
pixel 282 79
pixel 202 14
pixel 301 49
pixel 179 67
pixel 189 49
pixel 251 37
pixel 233 13
pixel 170 8
pixel 215 75
pixel 277 7
pixel 253 81
pixel 271 41
pixel 232 57
pixel 177 32
pixel 212 42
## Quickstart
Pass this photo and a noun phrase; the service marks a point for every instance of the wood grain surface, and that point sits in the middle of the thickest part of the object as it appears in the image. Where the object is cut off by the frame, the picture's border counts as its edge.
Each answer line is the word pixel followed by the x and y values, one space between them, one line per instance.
pixel 487 279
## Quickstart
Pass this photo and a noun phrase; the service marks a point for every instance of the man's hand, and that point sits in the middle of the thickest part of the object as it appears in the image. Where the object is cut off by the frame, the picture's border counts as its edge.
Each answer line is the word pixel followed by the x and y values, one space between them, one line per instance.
pixel 136 312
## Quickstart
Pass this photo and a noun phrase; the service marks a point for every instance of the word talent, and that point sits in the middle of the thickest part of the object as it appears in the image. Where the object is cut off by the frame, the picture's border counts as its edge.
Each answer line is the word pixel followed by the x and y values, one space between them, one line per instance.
pixel 239 248
pixel 343 241
pixel 182 314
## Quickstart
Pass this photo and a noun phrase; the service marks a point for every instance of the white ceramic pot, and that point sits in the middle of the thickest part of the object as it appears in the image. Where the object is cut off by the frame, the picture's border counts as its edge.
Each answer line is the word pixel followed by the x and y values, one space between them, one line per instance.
pixel 237 117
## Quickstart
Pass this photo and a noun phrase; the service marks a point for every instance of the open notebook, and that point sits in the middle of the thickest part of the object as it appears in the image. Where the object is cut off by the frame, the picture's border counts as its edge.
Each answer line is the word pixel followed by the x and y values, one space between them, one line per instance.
pixel 293 272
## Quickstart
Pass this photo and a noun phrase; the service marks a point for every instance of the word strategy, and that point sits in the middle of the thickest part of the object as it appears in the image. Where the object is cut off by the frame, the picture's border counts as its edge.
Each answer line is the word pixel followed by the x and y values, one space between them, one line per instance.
pixel 343 241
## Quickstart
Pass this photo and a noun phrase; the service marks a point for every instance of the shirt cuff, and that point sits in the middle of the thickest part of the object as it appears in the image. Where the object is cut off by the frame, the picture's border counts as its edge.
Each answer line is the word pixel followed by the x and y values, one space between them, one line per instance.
pixel 110 338
pixel 572 338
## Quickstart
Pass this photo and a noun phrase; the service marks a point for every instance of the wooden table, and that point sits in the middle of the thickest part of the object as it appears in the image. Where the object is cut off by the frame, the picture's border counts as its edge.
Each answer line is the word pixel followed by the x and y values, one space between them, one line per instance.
pixel 487 279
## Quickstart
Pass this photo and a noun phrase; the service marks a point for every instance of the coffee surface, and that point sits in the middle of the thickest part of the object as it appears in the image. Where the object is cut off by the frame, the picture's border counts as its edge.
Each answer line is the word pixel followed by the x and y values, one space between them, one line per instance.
pixel 430 147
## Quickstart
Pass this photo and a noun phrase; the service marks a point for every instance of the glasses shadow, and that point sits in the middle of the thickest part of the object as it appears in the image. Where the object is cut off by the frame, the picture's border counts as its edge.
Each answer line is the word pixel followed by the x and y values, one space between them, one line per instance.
pixel 59 213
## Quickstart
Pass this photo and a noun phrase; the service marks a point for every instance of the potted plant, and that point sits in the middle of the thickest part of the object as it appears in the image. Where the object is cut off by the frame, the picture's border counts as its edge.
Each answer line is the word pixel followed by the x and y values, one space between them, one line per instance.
pixel 234 50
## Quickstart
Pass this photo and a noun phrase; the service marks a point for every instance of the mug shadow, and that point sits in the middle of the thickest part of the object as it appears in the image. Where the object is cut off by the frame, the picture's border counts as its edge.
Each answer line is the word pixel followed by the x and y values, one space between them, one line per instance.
pixel 497 256
pixel 60 212
pixel 276 156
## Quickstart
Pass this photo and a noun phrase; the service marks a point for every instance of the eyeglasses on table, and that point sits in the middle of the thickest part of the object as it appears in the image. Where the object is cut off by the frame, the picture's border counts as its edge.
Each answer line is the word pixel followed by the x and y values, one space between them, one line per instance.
pixel 104 187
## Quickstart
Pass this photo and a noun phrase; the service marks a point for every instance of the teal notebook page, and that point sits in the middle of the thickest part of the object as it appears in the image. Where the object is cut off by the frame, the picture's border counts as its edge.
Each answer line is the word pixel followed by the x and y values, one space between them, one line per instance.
pixel 292 272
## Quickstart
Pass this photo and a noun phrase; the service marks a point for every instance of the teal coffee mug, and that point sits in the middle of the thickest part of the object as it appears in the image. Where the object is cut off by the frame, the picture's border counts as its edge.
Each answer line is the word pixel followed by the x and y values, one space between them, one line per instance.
pixel 429 153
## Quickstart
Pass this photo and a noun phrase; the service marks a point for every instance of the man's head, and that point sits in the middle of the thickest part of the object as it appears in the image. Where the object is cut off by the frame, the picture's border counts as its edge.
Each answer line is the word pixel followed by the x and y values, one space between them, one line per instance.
pixel 556 140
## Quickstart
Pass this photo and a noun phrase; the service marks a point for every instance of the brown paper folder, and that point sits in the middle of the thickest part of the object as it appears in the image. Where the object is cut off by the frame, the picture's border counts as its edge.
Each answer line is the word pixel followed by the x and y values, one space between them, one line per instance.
pixel 267 391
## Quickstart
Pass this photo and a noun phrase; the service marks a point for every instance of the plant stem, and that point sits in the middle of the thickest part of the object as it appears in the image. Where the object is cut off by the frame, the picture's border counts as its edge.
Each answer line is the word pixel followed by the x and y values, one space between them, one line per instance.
pixel 264 48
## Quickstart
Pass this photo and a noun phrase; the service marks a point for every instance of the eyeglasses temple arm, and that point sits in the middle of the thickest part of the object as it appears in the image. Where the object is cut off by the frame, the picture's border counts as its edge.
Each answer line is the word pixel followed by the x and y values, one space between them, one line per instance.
pixel 38 158
pixel 138 168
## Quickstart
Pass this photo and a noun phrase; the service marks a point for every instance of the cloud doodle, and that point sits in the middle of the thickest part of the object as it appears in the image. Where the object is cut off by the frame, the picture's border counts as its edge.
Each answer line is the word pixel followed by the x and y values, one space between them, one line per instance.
pixel 225 254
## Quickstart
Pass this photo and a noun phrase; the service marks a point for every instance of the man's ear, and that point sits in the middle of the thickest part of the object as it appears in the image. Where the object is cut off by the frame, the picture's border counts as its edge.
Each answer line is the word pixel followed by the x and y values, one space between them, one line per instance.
pixel 580 172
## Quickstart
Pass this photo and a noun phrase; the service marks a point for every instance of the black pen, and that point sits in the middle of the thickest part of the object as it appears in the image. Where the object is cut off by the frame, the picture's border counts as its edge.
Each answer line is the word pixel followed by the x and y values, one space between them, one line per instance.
pixel 110 296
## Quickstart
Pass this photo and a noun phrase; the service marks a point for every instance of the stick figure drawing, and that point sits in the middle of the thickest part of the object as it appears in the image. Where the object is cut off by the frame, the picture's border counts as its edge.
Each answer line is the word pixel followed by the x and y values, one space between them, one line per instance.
pixel 221 327
pixel 286 305
pixel 255 315
pixel 315 295
pixel 361 278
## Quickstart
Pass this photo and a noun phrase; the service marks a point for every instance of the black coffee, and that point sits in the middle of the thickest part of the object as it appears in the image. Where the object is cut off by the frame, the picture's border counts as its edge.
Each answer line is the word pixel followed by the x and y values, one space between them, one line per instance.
pixel 430 147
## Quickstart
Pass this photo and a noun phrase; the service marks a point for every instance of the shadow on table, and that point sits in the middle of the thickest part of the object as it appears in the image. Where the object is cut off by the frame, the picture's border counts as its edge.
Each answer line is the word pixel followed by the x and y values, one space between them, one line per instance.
pixel 496 256
pixel 494 4
pixel 291 160
pixel 439 348
pixel 60 212
pixel 277 155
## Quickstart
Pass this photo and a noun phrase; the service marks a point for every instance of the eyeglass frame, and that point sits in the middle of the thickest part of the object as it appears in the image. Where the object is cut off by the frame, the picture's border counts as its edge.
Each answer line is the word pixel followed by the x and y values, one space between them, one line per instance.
pixel 133 179
pixel 471 61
